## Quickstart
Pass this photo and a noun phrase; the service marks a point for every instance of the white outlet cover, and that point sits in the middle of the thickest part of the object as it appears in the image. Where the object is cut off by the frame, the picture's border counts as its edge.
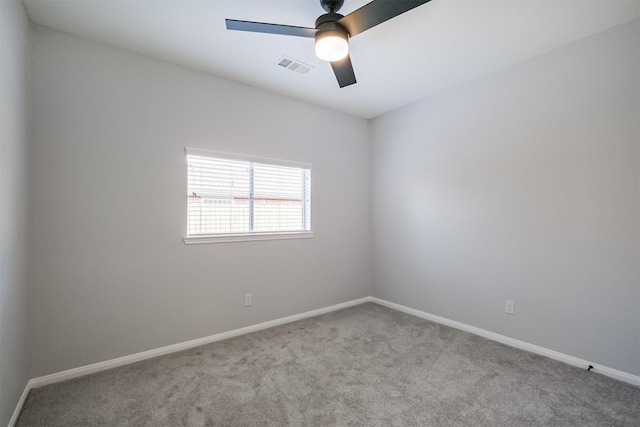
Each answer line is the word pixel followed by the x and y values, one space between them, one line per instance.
pixel 509 307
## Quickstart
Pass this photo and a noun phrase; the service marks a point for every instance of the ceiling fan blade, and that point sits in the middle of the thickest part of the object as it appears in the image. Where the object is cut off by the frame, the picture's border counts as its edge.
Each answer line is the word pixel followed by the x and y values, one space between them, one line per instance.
pixel 263 27
pixel 376 12
pixel 344 71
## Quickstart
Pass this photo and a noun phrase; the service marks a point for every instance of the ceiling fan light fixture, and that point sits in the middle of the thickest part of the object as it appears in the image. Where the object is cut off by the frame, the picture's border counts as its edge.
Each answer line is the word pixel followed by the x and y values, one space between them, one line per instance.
pixel 332 45
pixel 333 30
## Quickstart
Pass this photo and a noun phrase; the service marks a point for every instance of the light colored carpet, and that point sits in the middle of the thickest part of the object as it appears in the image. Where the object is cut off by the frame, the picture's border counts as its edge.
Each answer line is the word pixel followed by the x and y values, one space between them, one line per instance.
pixel 362 366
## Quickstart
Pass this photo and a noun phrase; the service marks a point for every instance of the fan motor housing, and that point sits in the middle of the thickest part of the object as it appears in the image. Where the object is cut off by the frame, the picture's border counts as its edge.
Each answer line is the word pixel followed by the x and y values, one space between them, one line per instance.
pixel 329 22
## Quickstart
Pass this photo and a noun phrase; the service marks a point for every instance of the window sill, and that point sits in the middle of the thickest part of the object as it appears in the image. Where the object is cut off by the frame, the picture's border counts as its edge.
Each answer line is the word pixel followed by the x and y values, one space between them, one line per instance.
pixel 246 237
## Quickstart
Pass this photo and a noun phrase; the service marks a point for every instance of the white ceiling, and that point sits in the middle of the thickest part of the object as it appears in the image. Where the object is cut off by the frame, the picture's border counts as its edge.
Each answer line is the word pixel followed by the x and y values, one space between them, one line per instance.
pixel 436 46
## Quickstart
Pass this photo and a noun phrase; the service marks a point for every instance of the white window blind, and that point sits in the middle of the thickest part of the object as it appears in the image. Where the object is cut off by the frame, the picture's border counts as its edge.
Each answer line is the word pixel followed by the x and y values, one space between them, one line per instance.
pixel 228 196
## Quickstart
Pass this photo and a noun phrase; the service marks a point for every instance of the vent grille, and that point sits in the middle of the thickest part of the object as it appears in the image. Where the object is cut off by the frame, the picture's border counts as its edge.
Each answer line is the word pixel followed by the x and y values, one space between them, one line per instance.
pixel 294 65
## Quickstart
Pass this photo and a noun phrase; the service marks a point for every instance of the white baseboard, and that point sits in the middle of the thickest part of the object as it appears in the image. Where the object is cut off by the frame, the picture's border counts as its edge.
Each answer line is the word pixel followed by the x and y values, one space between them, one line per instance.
pixel 23 398
pixel 137 357
pixel 570 360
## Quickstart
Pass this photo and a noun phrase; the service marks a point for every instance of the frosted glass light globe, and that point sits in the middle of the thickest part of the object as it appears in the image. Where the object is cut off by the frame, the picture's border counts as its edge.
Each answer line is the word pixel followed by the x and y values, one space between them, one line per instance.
pixel 332 47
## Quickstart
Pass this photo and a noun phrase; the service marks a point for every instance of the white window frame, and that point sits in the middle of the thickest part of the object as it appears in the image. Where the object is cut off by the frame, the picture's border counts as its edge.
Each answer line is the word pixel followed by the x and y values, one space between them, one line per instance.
pixel 250 236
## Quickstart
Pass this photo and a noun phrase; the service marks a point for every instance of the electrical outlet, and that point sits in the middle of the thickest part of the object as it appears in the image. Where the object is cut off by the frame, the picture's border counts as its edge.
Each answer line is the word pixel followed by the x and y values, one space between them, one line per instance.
pixel 509 307
pixel 248 300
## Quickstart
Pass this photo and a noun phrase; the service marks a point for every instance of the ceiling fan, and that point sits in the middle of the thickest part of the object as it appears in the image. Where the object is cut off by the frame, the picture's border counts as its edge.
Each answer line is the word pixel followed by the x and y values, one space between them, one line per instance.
pixel 333 30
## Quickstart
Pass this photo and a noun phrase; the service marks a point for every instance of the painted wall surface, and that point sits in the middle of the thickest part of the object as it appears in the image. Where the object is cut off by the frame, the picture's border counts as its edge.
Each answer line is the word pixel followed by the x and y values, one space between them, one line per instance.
pixel 14 142
pixel 111 274
pixel 522 185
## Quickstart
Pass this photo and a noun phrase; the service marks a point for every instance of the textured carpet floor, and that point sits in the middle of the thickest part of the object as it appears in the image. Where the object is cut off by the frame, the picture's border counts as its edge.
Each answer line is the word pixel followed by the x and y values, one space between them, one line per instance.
pixel 363 366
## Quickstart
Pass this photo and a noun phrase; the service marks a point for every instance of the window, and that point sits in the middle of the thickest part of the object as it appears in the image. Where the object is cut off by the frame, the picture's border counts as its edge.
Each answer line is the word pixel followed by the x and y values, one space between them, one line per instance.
pixel 231 198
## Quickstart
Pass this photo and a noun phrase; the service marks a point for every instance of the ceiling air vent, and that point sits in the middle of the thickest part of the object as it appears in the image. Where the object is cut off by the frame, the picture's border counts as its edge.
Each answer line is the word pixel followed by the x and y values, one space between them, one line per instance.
pixel 294 65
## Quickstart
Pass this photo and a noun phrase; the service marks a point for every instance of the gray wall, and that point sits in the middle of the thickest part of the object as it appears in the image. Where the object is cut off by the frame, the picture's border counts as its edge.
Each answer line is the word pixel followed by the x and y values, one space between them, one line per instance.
pixel 14 141
pixel 111 274
pixel 521 185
